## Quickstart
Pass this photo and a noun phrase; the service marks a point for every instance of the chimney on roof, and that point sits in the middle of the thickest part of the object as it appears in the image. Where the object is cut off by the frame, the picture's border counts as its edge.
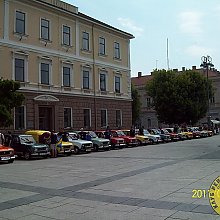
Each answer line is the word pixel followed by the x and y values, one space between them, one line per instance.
pixel 193 67
pixel 175 70
pixel 139 74
pixel 183 68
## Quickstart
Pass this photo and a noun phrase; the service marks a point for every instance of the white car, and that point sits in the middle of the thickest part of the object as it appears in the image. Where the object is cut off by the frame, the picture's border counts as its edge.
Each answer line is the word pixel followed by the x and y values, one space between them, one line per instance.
pixel 153 138
pixel 78 144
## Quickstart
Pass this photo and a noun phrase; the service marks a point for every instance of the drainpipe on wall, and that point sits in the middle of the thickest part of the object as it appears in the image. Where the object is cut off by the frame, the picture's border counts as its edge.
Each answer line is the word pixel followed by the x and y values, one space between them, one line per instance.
pixel 94 78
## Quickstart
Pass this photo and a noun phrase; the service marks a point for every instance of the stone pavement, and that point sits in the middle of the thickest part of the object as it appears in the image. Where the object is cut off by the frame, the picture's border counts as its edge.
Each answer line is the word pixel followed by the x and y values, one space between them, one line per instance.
pixel 152 182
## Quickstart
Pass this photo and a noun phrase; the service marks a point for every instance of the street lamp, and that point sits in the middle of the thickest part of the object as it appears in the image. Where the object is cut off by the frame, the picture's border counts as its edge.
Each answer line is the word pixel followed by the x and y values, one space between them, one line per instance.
pixel 206 65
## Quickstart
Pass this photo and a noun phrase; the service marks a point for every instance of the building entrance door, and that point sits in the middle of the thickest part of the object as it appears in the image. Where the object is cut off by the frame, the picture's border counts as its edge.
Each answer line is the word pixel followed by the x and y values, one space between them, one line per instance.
pixel 45 118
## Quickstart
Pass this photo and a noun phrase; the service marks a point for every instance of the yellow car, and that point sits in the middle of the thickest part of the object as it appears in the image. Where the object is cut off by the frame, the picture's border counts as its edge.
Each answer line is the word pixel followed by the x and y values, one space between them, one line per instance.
pixel 188 134
pixel 141 139
pixel 42 136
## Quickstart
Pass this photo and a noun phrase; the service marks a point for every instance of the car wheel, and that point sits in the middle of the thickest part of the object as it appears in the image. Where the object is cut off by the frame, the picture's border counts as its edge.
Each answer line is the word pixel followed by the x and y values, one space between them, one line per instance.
pixel 139 143
pixel 76 150
pixel 27 156
pixel 68 154
pixel 151 141
pixel 96 148
pixel 11 161
pixel 107 148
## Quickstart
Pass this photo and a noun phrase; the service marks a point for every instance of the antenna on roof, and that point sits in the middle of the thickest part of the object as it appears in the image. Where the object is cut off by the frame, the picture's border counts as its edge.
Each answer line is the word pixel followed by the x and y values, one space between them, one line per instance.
pixel 168 62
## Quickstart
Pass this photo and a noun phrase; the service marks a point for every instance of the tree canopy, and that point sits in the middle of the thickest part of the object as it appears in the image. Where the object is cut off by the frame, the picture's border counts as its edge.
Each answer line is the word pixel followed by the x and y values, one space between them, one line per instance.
pixel 136 104
pixel 9 99
pixel 179 97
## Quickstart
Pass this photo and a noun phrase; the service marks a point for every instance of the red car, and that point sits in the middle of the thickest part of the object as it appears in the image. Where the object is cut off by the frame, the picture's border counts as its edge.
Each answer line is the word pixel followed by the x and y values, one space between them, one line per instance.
pixel 116 142
pixel 173 136
pixel 129 141
pixel 6 154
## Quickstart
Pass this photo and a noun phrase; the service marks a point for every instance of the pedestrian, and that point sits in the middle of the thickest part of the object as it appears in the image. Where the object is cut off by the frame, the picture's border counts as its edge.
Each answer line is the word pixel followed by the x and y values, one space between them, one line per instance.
pixel 141 130
pixel 2 139
pixel 8 139
pixel 53 143
pixel 132 132
pixel 107 133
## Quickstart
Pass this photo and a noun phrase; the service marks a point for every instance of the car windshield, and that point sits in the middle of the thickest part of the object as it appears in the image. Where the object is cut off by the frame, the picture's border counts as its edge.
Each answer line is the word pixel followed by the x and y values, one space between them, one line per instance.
pixel 146 132
pixel 120 133
pixel 27 139
pixel 73 137
pixel 165 131
pixel 93 134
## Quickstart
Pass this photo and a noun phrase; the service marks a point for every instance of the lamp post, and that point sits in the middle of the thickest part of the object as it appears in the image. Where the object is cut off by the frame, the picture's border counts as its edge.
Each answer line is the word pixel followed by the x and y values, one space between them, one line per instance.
pixel 206 65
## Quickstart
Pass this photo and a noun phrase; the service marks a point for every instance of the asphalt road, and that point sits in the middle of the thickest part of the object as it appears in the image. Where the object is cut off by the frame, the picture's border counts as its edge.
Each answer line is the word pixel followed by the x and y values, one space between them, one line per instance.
pixel 151 182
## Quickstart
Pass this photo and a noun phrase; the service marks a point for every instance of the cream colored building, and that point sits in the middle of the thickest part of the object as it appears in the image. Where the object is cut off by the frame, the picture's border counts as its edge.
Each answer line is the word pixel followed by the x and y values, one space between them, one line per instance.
pixel 73 69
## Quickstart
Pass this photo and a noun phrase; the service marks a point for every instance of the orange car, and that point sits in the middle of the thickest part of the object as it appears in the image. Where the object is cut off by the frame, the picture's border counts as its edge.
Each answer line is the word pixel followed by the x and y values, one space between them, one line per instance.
pixel 6 154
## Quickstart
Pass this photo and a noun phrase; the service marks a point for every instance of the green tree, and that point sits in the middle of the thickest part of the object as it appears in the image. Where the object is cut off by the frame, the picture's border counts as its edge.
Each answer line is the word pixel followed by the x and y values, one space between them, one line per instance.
pixel 136 104
pixel 179 97
pixel 10 99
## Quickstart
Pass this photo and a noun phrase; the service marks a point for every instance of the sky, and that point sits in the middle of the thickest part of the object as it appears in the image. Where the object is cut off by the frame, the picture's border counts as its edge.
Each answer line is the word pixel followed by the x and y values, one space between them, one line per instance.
pixel 181 30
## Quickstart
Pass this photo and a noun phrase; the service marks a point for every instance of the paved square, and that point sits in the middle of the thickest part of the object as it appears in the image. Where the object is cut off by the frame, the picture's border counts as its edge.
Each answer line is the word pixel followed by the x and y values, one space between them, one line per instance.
pixel 152 182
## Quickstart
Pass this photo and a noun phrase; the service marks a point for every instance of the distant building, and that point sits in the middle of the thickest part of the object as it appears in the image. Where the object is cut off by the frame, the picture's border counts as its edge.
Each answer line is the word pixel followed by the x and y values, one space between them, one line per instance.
pixel 148 117
pixel 73 69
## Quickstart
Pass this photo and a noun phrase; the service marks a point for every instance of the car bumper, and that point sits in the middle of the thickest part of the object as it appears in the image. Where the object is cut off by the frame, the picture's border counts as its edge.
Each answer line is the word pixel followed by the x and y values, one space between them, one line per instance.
pixel 40 154
pixel 6 158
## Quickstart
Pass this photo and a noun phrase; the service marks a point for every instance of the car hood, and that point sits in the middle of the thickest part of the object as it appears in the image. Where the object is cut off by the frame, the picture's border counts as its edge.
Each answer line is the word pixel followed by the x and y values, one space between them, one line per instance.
pixel 100 139
pixel 81 141
pixel 36 145
pixel 5 148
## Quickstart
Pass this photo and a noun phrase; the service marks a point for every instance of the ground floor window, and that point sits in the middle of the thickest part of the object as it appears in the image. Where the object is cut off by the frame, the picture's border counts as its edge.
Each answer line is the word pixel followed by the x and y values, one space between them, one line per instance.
pixel 118 118
pixel 20 118
pixel 103 118
pixel 67 117
pixel 87 118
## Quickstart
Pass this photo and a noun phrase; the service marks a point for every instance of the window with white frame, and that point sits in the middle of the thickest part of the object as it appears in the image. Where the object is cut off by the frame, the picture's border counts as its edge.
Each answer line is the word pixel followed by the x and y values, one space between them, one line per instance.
pixel 101 45
pixel 116 50
pixel 45 29
pixel 19 118
pixel 87 118
pixel 45 73
pixel 66 35
pixel 20 22
pixel 19 69
pixel 117 84
pixel 86 79
pixel 104 117
pixel 85 41
pixel 66 76
pixel 103 84
pixel 118 119
pixel 67 117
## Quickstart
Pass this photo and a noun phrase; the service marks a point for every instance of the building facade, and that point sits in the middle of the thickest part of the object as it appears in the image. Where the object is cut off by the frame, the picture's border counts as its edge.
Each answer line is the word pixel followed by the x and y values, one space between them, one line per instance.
pixel 148 116
pixel 73 69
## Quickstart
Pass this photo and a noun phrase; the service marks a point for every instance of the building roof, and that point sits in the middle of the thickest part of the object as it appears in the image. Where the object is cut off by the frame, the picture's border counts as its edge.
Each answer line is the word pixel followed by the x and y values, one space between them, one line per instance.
pixel 141 80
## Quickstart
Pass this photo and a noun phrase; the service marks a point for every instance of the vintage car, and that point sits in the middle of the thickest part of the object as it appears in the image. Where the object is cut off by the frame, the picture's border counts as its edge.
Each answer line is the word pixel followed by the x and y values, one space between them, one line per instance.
pixel 25 146
pixel 196 133
pixel 79 145
pixel 98 143
pixel 173 136
pixel 164 137
pixel 116 142
pixel 129 141
pixel 188 134
pixel 6 154
pixel 153 138
pixel 41 136
pixel 141 139
pixel 182 135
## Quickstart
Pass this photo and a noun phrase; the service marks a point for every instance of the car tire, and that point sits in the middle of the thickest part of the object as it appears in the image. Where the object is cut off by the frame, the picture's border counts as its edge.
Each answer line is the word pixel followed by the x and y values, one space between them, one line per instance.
pixel 11 161
pixel 139 143
pixel 27 156
pixel 76 150
pixel 96 147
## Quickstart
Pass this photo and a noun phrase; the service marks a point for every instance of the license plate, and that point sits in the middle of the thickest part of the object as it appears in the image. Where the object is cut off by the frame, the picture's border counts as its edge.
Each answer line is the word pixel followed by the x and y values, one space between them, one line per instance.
pixel 5 158
pixel 88 150
pixel 42 153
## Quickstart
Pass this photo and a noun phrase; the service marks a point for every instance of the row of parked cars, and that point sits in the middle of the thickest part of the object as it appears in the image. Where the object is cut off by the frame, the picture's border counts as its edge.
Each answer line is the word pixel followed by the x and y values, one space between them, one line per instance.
pixel 36 143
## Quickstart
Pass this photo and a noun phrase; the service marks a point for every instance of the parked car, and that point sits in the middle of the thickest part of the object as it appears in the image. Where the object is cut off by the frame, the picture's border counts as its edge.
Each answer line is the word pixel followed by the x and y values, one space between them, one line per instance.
pixel 164 137
pixel 116 142
pixel 182 136
pixel 173 136
pixel 153 138
pixel 6 154
pixel 188 134
pixel 195 131
pixel 42 137
pixel 129 141
pixel 25 146
pixel 141 139
pixel 98 143
pixel 79 145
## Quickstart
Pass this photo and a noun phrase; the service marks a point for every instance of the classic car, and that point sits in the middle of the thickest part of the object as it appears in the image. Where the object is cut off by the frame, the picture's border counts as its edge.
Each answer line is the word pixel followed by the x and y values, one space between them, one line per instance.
pixel 141 139
pixel 116 142
pixel 25 146
pixel 153 138
pixel 129 141
pixel 79 145
pixel 6 154
pixel 182 135
pixel 173 136
pixel 164 137
pixel 98 143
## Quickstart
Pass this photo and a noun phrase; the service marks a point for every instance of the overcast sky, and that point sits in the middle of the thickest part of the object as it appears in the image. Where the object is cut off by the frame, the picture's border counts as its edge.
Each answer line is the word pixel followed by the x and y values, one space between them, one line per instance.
pixel 191 27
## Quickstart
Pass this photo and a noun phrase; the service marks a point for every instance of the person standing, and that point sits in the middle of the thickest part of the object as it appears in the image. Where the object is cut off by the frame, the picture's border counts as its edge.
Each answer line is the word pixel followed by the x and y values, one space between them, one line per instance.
pixel 8 139
pixel 2 139
pixel 53 143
